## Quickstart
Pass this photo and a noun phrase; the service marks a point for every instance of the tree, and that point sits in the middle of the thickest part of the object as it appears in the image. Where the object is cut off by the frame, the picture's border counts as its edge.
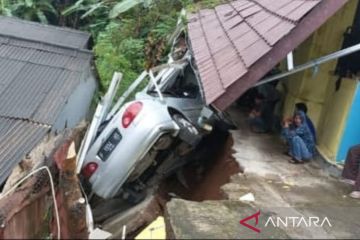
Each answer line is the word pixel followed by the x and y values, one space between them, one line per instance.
pixel 34 10
pixel 126 5
pixel 5 7
pixel 90 7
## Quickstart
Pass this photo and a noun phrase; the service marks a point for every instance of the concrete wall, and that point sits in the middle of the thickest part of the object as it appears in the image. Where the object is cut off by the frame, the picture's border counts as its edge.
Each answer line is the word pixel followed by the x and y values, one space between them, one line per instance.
pixel 78 105
pixel 327 108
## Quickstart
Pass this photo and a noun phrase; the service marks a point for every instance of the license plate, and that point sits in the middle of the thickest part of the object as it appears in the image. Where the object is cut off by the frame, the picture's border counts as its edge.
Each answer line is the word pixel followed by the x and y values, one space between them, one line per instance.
pixel 109 145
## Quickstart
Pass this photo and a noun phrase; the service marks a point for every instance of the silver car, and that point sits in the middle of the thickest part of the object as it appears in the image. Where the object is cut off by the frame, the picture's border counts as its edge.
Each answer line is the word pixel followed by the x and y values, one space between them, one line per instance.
pixel 147 138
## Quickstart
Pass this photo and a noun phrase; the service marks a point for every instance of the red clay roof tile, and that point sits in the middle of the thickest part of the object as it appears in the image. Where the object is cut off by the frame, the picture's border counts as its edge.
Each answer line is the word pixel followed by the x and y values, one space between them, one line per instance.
pixel 300 11
pixel 274 5
pixel 238 30
pixel 285 10
pixel 264 26
pixel 259 17
pixel 246 40
pixel 237 43
pixel 232 71
pixel 277 32
pixel 252 53
pixel 242 5
pixel 250 11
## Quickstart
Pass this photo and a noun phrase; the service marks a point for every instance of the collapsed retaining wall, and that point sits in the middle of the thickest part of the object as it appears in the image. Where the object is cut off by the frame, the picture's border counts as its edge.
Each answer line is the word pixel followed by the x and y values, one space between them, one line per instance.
pixel 28 212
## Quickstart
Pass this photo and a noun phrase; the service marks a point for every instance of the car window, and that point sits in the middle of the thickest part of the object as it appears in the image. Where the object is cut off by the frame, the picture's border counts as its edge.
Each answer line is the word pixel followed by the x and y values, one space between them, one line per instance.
pixel 183 85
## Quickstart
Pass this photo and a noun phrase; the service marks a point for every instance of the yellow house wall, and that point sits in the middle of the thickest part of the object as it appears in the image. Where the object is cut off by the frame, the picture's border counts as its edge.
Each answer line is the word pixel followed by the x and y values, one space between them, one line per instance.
pixel 334 115
pixel 316 88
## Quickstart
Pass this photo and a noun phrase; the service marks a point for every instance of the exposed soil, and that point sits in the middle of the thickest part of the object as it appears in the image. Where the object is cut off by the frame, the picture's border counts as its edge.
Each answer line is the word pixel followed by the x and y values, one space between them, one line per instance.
pixel 217 174
pixel 212 169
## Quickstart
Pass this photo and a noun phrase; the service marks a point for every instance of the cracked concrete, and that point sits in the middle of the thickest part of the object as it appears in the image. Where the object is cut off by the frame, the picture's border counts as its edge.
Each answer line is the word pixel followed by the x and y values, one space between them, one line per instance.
pixel 280 189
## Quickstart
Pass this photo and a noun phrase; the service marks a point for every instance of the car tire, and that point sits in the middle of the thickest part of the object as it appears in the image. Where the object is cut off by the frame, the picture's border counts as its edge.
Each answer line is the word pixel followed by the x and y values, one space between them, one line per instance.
pixel 224 122
pixel 188 132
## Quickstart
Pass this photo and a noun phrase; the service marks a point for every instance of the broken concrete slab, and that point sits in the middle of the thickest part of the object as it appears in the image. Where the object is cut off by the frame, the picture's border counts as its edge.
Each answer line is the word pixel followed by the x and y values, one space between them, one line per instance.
pixel 134 218
pixel 214 220
pixel 156 230
pixel 291 190
pixel 97 233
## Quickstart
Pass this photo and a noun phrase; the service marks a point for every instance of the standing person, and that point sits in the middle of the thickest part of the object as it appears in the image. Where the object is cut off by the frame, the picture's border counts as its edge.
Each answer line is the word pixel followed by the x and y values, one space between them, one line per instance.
pixel 299 138
pixel 351 172
pixel 302 107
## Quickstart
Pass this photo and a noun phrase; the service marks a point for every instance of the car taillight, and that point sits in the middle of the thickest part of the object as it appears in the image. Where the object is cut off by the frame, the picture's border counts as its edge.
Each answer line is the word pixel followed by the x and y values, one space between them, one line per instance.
pixel 130 113
pixel 89 169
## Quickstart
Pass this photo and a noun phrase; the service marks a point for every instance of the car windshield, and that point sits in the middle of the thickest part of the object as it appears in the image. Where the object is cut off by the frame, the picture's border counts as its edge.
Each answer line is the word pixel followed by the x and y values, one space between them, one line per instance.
pixel 181 83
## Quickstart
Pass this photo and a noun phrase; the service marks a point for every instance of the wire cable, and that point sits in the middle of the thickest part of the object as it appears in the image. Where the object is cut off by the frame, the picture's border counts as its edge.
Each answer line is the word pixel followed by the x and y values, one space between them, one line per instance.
pixel 52 192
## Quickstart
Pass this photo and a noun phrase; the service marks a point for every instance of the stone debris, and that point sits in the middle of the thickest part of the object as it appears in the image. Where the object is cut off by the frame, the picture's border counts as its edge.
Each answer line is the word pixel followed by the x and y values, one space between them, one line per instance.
pixel 247 198
pixel 97 233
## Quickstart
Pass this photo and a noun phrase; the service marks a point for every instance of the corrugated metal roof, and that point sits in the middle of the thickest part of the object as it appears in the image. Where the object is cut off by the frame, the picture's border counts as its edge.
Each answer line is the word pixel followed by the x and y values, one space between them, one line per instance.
pixel 32 80
pixel 17 138
pixel 40 67
pixel 237 43
pixel 56 98
pixel 65 37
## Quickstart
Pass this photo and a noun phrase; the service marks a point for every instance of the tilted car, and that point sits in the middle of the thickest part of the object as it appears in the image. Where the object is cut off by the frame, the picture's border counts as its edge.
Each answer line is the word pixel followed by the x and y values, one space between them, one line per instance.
pixel 147 138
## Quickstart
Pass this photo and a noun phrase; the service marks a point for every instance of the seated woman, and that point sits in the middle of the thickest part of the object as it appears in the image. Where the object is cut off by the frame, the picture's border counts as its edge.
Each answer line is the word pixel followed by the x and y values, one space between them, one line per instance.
pixel 302 107
pixel 351 172
pixel 299 138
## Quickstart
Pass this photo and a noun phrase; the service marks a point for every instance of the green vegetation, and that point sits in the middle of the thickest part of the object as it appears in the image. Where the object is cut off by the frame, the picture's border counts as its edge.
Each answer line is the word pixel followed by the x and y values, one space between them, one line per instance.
pixel 129 35
pixel 44 11
pixel 194 6
pixel 135 40
pixel 31 10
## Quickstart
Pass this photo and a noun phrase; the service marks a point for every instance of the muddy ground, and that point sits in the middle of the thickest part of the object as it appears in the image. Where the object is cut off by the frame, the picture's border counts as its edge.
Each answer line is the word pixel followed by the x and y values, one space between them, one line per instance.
pixel 204 180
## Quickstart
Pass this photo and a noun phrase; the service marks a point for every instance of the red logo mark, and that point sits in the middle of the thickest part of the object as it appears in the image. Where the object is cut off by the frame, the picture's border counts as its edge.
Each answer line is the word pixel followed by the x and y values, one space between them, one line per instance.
pixel 256 216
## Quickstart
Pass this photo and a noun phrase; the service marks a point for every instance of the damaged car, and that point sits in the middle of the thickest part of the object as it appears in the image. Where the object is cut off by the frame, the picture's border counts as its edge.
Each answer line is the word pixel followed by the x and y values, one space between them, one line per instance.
pixel 148 138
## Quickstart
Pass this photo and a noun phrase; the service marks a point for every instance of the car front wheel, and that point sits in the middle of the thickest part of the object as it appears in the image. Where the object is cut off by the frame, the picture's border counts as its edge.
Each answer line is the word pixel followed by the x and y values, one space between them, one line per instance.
pixel 188 132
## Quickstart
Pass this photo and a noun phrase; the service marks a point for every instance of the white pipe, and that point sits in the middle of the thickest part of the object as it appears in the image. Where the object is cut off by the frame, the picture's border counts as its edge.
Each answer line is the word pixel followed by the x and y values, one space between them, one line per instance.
pixel 313 63
pixel 99 116
pixel 126 94
pixel 290 61
pixel 110 94
pixel 89 137
pixel 123 233
pixel 154 82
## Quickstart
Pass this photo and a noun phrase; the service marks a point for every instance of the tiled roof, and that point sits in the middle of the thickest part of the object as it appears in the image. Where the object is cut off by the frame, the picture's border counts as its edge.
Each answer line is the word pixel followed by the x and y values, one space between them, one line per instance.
pixel 40 67
pixel 237 43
